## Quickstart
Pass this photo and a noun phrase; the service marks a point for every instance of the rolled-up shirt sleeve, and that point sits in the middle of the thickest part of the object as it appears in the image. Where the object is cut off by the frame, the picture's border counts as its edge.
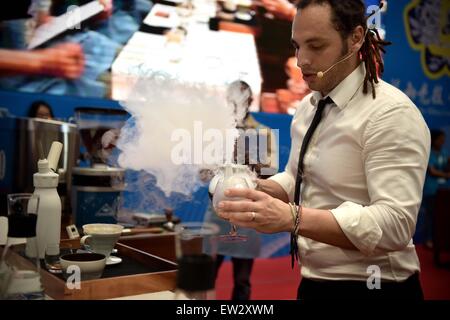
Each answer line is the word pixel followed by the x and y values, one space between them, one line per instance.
pixel 396 147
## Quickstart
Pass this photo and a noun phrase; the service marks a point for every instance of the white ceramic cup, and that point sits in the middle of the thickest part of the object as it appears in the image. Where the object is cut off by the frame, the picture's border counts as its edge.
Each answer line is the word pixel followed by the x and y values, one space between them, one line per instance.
pixel 101 237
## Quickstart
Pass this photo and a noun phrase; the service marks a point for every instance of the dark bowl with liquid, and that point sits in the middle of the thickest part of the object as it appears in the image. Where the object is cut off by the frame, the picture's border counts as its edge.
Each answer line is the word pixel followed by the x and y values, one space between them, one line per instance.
pixel 83 266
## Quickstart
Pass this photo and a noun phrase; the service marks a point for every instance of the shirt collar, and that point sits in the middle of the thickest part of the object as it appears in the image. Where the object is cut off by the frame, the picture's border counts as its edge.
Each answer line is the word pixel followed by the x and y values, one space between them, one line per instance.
pixel 345 90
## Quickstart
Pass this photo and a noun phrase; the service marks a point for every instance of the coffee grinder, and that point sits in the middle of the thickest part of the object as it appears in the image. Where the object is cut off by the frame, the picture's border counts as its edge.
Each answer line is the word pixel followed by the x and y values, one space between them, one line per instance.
pixel 98 185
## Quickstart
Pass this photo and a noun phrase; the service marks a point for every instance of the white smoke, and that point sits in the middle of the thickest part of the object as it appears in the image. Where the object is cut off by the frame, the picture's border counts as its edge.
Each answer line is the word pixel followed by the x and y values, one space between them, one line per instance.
pixel 161 106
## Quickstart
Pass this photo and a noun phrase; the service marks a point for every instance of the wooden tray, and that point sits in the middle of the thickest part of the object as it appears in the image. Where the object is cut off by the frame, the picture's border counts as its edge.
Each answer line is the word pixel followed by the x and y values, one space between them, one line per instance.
pixel 138 273
pixel 161 245
pixel 161 276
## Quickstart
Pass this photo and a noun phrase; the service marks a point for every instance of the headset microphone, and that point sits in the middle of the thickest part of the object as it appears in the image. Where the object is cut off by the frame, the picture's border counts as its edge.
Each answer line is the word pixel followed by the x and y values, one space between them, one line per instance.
pixel 320 74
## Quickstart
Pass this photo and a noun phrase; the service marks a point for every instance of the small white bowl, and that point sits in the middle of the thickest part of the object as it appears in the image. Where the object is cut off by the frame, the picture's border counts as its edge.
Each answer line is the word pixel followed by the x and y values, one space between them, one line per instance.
pixel 90 265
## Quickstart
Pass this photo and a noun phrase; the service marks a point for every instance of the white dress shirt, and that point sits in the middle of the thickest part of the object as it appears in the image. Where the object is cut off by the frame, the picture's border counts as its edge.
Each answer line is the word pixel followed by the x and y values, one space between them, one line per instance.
pixel 366 163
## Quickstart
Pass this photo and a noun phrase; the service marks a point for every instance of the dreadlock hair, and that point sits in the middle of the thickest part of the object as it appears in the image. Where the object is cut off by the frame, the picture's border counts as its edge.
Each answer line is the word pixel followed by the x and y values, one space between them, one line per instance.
pixel 346 16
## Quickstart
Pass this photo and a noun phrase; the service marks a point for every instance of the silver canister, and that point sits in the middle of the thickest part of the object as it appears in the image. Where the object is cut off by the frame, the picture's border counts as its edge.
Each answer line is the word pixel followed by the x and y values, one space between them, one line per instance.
pixel 23 141
pixel 97 194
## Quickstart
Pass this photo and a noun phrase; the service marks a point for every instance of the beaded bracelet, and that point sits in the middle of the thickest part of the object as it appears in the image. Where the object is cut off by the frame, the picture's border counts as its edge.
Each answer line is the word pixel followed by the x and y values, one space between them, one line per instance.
pixel 298 216
pixel 294 214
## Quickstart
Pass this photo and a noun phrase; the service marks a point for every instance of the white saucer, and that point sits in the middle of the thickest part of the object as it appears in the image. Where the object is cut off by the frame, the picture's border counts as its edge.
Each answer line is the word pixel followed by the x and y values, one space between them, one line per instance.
pixel 113 260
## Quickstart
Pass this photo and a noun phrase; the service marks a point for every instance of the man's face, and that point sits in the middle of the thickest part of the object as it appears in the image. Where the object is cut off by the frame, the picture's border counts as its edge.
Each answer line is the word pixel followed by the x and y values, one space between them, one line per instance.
pixel 318 46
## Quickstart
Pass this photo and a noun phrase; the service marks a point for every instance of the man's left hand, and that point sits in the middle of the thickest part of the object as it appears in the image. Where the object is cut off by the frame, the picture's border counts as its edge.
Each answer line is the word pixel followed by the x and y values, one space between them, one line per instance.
pixel 257 210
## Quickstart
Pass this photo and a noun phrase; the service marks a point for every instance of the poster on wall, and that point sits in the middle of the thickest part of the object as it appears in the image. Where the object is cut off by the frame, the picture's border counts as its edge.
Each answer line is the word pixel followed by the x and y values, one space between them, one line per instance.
pixel 418 62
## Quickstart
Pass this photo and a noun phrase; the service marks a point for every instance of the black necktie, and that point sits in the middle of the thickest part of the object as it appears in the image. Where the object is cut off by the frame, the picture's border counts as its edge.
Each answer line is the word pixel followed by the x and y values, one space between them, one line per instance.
pixel 315 122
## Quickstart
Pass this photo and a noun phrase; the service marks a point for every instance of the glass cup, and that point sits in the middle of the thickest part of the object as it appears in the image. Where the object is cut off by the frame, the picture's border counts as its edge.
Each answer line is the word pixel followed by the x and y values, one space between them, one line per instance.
pixel 196 248
pixel 231 176
pixel 53 252
pixel 52 263
pixel 20 280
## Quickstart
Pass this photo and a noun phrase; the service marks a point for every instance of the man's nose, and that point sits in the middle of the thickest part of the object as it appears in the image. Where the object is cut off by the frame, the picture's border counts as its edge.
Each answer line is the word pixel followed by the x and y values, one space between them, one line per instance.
pixel 302 59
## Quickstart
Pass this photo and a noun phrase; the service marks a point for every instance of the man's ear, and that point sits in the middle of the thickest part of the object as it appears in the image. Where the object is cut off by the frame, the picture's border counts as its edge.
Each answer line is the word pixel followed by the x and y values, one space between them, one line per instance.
pixel 357 38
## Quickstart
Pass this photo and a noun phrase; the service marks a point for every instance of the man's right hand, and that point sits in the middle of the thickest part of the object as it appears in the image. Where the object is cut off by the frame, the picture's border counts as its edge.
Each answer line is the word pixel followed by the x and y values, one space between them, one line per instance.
pixel 65 60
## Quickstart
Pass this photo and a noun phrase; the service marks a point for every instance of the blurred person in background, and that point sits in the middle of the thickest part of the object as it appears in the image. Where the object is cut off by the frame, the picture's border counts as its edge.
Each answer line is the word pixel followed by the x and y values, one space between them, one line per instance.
pixel 123 19
pixel 40 109
pixel 16 27
pixel 72 64
pixel 242 254
pixel 437 176
pixel 63 60
pixel 288 99
pixel 273 42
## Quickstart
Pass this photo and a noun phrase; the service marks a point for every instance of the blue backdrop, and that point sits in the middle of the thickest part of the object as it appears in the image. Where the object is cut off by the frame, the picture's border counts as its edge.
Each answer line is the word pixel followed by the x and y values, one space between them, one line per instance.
pixel 417 63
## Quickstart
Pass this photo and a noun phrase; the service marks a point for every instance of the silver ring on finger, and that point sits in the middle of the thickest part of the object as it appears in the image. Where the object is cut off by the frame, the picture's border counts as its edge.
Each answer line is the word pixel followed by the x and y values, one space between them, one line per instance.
pixel 253 216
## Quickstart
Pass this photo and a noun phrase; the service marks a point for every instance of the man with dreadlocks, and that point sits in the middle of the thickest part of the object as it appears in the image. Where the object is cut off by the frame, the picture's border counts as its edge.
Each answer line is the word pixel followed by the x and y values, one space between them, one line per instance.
pixel 352 188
